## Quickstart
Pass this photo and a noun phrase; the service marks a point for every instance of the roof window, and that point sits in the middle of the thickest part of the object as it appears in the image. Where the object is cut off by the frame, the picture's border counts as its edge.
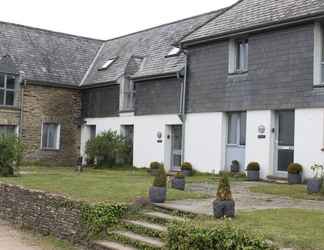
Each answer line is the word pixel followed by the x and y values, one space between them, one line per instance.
pixel 174 52
pixel 107 64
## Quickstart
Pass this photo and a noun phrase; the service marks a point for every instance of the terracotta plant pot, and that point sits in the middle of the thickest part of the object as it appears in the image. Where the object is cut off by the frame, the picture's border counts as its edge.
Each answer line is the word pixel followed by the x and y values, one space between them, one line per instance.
pixel 253 175
pixel 223 209
pixel 314 185
pixel 157 194
pixel 178 183
pixel 294 179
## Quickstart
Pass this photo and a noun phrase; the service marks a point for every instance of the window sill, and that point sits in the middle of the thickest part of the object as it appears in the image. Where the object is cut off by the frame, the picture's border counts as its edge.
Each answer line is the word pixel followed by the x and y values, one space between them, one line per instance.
pixel 126 110
pixel 14 107
pixel 50 149
pixel 238 73
pixel 318 86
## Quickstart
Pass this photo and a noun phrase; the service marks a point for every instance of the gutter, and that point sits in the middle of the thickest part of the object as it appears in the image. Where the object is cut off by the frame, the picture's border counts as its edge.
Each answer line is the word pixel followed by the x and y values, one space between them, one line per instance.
pixel 253 29
pixel 154 77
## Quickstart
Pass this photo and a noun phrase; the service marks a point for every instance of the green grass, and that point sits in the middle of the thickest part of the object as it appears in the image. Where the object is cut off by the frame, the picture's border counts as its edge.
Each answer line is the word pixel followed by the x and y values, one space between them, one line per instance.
pixel 292 191
pixel 94 185
pixel 295 228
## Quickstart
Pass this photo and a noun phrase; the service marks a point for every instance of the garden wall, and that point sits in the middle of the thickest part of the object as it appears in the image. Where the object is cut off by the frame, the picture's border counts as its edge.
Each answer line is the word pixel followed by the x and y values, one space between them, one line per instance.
pixel 43 212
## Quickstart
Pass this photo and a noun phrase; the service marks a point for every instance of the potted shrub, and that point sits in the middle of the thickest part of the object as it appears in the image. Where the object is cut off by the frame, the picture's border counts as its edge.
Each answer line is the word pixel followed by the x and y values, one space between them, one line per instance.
pixel 186 169
pixel 157 193
pixel 295 173
pixel 253 171
pixel 154 168
pixel 314 184
pixel 235 166
pixel 178 181
pixel 224 205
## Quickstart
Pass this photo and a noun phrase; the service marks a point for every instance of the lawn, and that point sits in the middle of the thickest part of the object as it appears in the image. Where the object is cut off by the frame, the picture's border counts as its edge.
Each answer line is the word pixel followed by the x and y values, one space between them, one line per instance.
pixel 292 191
pixel 95 185
pixel 294 228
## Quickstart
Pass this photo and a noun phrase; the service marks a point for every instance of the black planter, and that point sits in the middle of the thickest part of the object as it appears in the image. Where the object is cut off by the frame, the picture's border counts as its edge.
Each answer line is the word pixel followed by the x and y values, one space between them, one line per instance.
pixel 178 183
pixel 235 167
pixel 253 175
pixel 157 194
pixel 223 209
pixel 186 172
pixel 314 185
pixel 294 179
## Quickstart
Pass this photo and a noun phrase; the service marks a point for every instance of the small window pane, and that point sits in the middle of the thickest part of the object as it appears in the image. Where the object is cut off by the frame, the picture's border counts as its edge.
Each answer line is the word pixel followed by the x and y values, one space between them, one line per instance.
pixel 242 55
pixel 49 137
pixel 232 128
pixel 7 130
pixel 2 80
pixel 243 128
pixel 1 97
pixel 10 82
pixel 10 97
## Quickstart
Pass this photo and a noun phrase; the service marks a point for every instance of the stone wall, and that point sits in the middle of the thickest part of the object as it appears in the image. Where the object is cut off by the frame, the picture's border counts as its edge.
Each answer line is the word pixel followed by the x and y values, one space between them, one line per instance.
pixel 51 104
pixel 43 212
pixel 9 116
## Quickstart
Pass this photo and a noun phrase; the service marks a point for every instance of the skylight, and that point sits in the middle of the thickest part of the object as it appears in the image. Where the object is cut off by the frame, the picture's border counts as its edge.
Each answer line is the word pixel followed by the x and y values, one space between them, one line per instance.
pixel 174 51
pixel 107 64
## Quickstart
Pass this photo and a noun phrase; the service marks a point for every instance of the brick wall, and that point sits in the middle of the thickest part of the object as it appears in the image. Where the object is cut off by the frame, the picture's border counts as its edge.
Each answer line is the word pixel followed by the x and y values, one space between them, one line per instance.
pixel 43 212
pixel 280 74
pixel 50 104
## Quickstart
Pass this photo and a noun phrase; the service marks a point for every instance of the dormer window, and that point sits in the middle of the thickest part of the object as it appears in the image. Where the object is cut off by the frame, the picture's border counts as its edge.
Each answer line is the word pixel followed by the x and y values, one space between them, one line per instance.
pixel 175 51
pixel 107 64
pixel 7 90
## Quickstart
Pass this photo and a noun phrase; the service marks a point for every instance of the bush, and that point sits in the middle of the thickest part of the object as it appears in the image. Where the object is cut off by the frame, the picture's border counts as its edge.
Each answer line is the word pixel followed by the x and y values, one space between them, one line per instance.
pixel 98 217
pixel 11 151
pixel 160 180
pixel 253 166
pixel 184 235
pixel 155 165
pixel 186 166
pixel 108 148
pixel 295 168
pixel 224 189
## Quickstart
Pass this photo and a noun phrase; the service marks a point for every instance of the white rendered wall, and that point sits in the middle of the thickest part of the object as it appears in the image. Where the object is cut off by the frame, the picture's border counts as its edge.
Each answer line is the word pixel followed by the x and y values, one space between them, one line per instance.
pixel 309 138
pixel 146 145
pixel 205 141
pixel 260 150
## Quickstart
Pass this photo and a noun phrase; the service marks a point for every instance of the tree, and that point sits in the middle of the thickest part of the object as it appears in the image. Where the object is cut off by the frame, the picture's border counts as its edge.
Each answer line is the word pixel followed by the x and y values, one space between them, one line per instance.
pixel 11 151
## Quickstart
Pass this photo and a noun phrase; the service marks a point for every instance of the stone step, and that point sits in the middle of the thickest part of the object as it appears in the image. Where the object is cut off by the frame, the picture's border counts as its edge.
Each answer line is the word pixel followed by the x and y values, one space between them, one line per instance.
pixel 138 240
pixel 164 216
pixel 147 225
pixel 276 179
pixel 110 245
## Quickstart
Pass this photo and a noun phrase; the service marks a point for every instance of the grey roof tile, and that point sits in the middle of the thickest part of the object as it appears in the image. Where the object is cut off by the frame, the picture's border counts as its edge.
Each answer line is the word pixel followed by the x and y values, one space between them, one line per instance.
pixel 47 56
pixel 151 44
pixel 249 13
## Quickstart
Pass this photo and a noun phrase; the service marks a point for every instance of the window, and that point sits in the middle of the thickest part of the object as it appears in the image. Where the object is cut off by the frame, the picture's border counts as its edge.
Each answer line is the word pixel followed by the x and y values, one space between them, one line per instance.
pixel 7 90
pixel 318 54
pixel 107 64
pixel 51 136
pixel 7 130
pixel 236 128
pixel 174 52
pixel 238 56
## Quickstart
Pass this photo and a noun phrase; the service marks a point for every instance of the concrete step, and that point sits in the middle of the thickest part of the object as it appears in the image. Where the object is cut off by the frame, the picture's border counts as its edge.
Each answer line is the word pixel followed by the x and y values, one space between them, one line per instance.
pixel 164 216
pixel 110 245
pixel 138 240
pixel 276 179
pixel 151 226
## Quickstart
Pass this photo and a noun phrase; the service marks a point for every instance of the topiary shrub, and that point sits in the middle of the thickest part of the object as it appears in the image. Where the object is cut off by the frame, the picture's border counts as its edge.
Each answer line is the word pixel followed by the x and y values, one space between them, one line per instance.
pixel 185 235
pixel 108 148
pixel 160 179
pixel 224 189
pixel 11 151
pixel 295 168
pixel 253 166
pixel 186 166
pixel 155 165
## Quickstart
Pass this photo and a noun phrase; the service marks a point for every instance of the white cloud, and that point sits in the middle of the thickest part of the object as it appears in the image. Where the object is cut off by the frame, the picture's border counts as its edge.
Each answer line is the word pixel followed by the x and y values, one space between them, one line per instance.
pixel 103 18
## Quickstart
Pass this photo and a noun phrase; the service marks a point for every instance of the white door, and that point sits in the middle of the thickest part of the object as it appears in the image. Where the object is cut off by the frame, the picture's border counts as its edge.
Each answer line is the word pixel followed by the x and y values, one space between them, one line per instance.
pixel 236 137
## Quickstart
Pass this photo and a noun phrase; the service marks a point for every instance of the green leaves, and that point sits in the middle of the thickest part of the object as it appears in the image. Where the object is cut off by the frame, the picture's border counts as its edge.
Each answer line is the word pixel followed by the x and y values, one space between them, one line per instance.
pixel 11 151
pixel 160 180
pixel 98 217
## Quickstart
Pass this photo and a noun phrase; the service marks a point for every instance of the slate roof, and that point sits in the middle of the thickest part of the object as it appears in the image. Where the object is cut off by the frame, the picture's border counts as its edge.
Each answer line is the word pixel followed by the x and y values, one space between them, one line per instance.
pixel 8 66
pixel 151 44
pixel 250 13
pixel 47 56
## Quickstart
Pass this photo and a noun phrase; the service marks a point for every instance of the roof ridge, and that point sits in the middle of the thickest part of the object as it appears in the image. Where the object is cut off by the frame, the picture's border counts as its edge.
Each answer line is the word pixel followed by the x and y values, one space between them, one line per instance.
pixel 165 24
pixel 51 31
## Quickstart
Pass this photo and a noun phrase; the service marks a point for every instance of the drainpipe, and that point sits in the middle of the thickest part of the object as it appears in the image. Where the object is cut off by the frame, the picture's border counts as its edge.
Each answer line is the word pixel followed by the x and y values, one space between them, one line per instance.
pixel 23 84
pixel 183 105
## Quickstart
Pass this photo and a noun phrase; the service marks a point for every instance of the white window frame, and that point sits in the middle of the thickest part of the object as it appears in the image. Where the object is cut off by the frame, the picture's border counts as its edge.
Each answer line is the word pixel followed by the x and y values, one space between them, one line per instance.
pixel 58 136
pixel 318 54
pixel 233 56
pixel 5 90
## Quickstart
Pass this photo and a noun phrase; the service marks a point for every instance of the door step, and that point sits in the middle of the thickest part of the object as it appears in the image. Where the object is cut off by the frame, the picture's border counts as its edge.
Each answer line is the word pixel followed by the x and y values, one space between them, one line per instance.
pixel 110 245
pixel 137 240
pixel 276 179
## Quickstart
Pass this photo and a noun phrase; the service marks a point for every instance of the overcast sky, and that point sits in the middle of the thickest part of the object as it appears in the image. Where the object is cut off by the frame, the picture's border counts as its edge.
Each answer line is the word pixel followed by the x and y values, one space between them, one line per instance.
pixel 103 19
